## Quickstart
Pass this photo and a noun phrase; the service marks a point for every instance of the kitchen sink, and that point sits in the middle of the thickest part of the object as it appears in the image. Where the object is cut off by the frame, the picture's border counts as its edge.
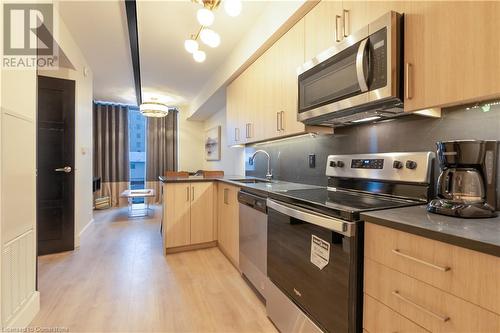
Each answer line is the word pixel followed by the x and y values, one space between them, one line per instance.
pixel 251 181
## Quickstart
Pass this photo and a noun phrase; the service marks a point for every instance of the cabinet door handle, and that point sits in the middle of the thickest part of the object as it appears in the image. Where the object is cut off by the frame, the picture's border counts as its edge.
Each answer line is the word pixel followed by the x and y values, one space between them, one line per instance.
pixel 192 193
pixel 420 307
pixel 277 121
pixel 338 18
pixel 236 134
pixel 248 130
pixel 225 196
pixel 408 81
pixel 187 193
pixel 282 127
pixel 420 261
pixel 347 22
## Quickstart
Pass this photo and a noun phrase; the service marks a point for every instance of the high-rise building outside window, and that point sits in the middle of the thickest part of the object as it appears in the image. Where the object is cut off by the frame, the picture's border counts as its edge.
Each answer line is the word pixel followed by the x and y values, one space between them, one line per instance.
pixel 137 150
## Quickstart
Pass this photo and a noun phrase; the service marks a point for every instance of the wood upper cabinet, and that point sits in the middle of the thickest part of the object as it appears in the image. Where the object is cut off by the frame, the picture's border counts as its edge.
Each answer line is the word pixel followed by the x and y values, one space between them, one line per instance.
pixel 262 101
pixel 234 104
pixel 290 55
pixel 188 213
pixel 452 52
pixel 323 27
pixel 228 222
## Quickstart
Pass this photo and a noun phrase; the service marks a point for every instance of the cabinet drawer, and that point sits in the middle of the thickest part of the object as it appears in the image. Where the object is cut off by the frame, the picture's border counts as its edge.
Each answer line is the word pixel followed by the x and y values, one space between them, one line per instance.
pixel 429 307
pixel 471 275
pixel 379 318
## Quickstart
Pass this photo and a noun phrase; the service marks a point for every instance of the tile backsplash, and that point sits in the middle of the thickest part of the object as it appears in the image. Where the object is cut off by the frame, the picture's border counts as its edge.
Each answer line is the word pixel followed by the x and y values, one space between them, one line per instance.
pixel 289 157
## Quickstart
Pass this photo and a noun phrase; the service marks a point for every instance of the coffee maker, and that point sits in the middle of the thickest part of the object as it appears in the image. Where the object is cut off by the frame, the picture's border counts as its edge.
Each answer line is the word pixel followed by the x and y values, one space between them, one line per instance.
pixel 467 183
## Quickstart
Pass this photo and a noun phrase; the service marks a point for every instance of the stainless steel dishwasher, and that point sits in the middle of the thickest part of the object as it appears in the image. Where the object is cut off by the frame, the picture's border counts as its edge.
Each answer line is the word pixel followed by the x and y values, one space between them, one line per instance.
pixel 253 240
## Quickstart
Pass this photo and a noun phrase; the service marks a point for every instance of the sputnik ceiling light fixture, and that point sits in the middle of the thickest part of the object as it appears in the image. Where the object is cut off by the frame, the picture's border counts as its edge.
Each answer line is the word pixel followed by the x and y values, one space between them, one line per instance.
pixel 206 18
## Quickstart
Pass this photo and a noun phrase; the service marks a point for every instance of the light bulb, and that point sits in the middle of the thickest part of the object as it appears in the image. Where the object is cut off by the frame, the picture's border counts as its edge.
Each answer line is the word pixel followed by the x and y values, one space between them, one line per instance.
pixel 199 56
pixel 210 37
pixel 232 7
pixel 191 45
pixel 205 17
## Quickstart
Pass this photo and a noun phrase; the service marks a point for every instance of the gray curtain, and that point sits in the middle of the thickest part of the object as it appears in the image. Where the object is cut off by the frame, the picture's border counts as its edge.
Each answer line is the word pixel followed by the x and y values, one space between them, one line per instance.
pixel 161 150
pixel 111 151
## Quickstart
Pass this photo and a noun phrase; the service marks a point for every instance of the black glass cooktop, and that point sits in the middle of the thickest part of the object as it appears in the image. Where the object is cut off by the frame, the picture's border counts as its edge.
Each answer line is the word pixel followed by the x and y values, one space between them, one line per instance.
pixel 341 203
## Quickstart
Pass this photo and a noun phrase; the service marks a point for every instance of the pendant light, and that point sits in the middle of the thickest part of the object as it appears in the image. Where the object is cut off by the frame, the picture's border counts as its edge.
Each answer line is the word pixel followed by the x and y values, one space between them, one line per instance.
pixel 232 7
pixel 210 37
pixel 205 17
pixel 154 109
pixel 191 45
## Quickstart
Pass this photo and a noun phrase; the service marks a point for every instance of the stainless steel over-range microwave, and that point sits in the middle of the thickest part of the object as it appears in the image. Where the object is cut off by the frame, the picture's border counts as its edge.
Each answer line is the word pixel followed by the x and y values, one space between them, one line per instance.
pixel 357 80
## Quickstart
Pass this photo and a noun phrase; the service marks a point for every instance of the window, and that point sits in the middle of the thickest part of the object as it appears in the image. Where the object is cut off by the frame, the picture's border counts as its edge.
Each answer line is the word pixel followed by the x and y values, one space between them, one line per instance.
pixel 137 151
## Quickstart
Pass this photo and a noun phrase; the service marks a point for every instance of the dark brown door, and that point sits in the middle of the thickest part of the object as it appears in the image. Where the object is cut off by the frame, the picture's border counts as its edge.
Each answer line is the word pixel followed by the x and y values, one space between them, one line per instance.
pixel 55 165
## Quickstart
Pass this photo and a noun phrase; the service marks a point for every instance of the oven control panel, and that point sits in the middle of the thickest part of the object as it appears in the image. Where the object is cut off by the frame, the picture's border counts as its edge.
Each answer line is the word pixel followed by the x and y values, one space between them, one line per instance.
pixel 407 167
pixel 370 163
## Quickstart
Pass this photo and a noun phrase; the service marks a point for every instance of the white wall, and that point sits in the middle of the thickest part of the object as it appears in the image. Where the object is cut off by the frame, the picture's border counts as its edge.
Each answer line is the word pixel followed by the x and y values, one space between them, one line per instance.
pixel 82 75
pixel 190 135
pixel 232 159
pixel 19 300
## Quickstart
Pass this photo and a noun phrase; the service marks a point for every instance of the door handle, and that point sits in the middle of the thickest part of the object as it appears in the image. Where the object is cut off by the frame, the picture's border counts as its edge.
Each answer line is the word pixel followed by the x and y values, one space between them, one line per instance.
pixel 420 261
pixel 225 196
pixel 408 80
pixel 187 193
pixel 282 127
pixel 66 169
pixel 192 193
pixel 347 22
pixel 442 318
pixel 360 60
pixel 337 28
pixel 278 121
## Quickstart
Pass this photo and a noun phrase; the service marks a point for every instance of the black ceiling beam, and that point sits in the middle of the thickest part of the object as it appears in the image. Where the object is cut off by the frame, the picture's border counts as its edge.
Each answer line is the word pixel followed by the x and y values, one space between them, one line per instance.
pixel 131 8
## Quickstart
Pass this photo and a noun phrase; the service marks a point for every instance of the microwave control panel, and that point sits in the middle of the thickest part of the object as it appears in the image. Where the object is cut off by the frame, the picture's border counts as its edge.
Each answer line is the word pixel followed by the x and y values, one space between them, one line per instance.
pixel 378 59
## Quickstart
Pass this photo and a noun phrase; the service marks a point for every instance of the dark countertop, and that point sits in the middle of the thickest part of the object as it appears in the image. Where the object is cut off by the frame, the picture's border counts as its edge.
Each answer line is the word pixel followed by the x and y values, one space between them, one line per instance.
pixel 263 188
pixel 481 235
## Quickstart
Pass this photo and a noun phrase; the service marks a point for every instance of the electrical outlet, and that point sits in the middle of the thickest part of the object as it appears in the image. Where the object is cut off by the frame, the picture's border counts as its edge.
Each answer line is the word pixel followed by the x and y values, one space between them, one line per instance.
pixel 250 161
pixel 312 161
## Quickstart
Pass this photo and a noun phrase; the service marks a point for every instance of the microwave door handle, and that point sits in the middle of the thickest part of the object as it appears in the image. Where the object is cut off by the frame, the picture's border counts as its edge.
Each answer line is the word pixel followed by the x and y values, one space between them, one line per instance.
pixel 360 59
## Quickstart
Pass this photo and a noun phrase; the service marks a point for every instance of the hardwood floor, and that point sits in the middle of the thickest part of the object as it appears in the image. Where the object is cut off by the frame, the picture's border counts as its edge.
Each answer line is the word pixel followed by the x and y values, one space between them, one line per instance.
pixel 119 281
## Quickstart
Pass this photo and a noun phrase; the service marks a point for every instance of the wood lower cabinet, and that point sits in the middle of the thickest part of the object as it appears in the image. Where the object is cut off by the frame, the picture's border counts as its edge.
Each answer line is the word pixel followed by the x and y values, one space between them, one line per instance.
pixel 202 212
pixel 228 235
pixel 435 285
pixel 471 275
pixel 188 214
pixel 379 318
pixel 176 214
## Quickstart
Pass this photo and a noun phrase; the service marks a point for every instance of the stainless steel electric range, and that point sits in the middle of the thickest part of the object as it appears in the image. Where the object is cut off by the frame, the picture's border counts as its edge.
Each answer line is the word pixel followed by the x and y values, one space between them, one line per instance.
pixel 315 238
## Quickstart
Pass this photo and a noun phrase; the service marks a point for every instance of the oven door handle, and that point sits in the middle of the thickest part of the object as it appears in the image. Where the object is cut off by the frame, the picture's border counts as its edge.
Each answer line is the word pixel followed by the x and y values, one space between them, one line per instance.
pixel 360 59
pixel 325 221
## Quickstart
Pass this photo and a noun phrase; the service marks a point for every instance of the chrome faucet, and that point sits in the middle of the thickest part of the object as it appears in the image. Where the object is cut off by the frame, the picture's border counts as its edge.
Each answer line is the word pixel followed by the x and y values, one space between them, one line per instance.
pixel 269 174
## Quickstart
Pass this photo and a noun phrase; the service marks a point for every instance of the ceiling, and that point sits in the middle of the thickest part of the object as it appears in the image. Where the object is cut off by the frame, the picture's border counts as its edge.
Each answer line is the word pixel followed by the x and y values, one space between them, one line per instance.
pixel 166 68
pixel 100 30
pixel 168 72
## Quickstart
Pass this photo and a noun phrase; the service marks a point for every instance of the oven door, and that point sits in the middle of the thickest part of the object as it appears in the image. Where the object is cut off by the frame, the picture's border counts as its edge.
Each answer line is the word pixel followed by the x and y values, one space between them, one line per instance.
pixel 318 268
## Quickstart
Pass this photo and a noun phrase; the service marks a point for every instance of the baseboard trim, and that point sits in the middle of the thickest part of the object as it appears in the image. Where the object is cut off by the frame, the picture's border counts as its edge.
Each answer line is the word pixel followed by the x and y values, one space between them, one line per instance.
pixel 232 260
pixel 191 247
pixel 77 240
pixel 26 314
